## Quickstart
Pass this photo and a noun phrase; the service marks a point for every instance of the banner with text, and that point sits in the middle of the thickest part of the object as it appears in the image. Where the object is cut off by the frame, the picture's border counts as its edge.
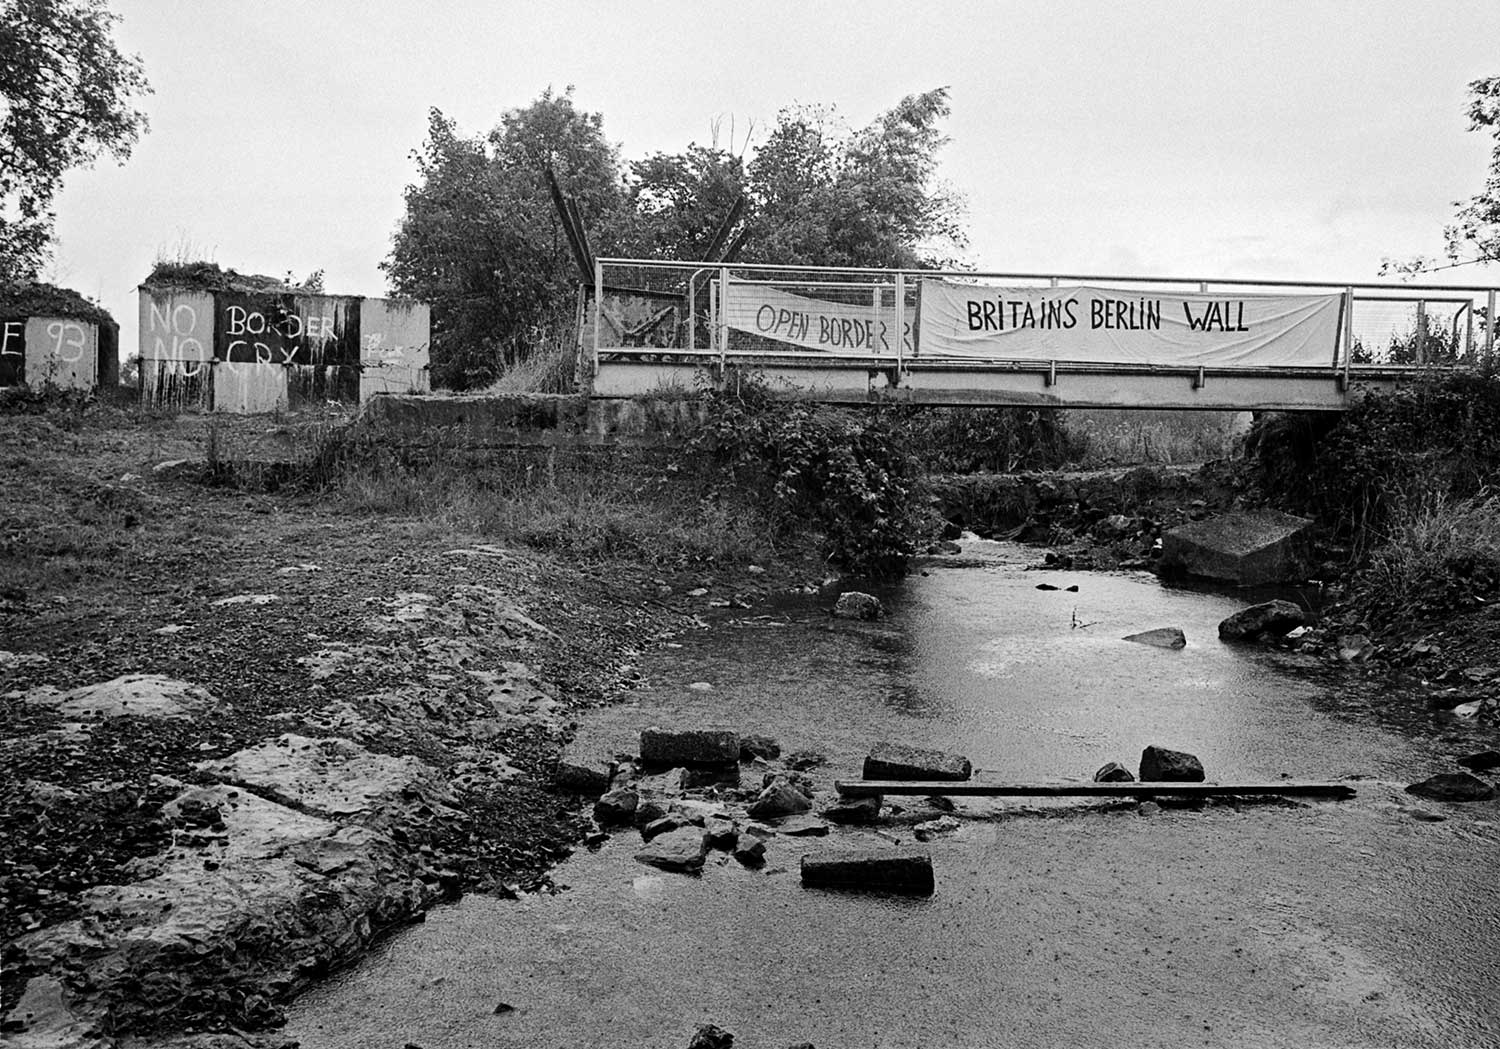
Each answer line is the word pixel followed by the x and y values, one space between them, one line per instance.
pixel 859 326
pixel 1111 326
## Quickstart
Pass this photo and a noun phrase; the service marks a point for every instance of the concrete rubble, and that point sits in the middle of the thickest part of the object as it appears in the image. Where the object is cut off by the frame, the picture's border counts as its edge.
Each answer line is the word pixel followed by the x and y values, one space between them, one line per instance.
pixel 886 870
pixel 1246 548
pixel 898 761
pixel 1161 637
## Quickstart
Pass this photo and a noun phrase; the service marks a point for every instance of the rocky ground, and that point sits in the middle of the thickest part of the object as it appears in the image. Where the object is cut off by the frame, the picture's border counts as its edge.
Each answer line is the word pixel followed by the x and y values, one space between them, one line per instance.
pixel 243 733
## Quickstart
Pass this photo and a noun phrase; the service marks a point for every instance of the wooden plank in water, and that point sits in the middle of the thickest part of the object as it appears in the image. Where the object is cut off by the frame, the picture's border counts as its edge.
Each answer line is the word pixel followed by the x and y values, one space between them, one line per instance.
pixel 866 788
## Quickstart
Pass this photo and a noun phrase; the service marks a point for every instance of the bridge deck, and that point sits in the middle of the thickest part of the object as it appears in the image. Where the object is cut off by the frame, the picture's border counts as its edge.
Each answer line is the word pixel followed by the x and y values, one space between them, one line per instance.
pixel 631 372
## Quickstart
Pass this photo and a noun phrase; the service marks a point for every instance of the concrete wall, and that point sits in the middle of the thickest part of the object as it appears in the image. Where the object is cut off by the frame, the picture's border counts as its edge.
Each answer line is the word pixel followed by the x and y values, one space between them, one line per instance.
pixel 59 351
pixel 242 352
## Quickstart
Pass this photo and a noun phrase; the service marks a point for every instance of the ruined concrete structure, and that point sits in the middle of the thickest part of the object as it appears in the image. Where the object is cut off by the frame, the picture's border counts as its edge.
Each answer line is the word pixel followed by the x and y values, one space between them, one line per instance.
pixel 241 348
pixel 54 337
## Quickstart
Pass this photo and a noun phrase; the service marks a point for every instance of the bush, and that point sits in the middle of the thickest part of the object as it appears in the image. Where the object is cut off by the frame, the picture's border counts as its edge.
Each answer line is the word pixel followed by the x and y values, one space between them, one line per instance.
pixel 1439 437
pixel 847 472
pixel 1441 555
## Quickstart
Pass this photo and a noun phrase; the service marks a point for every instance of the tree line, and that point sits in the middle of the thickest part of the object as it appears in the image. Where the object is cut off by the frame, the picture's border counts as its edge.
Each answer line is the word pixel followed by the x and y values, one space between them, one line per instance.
pixel 482 242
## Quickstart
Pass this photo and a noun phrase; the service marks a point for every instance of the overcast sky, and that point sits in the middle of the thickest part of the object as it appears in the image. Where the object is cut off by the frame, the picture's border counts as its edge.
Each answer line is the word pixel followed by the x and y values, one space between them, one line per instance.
pixel 1273 140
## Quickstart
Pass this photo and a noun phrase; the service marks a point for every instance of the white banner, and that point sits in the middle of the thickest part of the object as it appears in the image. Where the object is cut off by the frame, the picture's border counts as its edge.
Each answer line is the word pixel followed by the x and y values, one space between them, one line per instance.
pixel 856 327
pixel 1112 326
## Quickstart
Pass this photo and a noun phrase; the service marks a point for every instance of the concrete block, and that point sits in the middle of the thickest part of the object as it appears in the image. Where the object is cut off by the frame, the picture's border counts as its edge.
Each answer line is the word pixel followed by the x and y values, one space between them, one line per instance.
pixel 885 870
pixel 898 761
pixel 1248 548
pixel 689 747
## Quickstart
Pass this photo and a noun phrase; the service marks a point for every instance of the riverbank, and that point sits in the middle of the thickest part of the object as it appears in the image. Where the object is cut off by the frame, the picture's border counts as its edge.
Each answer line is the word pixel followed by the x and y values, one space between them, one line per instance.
pixel 354 696
pixel 187 847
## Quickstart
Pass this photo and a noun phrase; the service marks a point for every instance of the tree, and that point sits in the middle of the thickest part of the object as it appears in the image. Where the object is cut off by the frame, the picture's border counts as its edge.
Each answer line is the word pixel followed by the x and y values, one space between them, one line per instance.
pixel 680 200
pixel 825 197
pixel 66 96
pixel 481 241
pixel 1478 224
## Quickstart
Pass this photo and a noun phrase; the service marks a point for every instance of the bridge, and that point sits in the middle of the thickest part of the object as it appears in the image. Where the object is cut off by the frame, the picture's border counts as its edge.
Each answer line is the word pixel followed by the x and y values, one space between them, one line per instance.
pixel 957 338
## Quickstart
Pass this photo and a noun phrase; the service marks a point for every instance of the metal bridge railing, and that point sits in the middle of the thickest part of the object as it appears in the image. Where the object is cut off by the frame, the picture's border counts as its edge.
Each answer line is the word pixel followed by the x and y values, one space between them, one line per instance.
pixel 719 313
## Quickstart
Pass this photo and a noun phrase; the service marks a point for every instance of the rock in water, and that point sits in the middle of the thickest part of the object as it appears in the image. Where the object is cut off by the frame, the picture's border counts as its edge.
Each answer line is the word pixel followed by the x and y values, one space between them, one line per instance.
pixel 1161 637
pixel 898 761
pixel 750 851
pixel 1114 772
pixel 617 806
pixel 1269 617
pixel 677 850
pixel 1259 546
pixel 1160 765
pixel 852 604
pixel 1453 786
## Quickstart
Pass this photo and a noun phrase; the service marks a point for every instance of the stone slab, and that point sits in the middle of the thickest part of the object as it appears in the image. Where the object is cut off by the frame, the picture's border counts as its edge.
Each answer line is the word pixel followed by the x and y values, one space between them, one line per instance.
pixel 1246 548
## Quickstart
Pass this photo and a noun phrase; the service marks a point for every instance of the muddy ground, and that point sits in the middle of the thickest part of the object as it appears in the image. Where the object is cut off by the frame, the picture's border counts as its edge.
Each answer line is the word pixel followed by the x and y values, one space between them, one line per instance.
pixel 192 868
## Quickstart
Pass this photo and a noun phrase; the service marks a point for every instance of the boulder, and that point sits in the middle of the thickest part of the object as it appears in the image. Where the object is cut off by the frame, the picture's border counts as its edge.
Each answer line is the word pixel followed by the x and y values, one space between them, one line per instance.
pixel 1482 761
pixel 898 761
pixel 1453 786
pixel 884 870
pixel 1114 772
pixel 696 747
pixel 683 849
pixel 1355 648
pixel 140 695
pixel 616 806
pixel 1160 765
pixel 1246 548
pixel 781 798
pixel 1269 617
pixel 854 810
pixel 752 747
pixel 852 604
pixel 1161 637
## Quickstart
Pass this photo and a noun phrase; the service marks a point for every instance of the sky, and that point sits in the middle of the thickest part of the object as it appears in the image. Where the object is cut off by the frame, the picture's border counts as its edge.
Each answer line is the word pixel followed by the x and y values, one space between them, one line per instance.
pixel 1272 140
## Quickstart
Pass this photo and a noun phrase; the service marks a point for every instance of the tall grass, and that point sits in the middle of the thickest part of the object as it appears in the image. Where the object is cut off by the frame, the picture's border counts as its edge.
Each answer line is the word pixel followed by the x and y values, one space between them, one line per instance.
pixel 590 504
pixel 1441 553
pixel 1120 437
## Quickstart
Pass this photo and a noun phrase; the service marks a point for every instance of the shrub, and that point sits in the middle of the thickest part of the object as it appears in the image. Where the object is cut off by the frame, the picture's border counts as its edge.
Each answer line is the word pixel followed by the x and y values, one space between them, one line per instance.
pixel 993 440
pixel 847 472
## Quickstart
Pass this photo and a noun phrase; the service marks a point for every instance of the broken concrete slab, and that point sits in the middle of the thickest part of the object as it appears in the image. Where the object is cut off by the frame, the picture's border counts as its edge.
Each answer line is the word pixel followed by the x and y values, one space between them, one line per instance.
pixel 884 870
pixel 755 746
pixel 1245 547
pixel 141 695
pixel 1160 765
pixel 689 747
pixel 897 761
pixel 670 822
pixel 1453 786
pixel 330 775
pixel 721 832
pixel 854 810
pixel 583 769
pixel 1161 637
pixel 1275 618
pixel 683 849
pixel 802 825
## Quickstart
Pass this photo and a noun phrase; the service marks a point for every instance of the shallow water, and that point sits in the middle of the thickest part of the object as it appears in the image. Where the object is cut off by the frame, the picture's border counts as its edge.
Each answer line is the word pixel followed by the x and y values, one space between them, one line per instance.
pixel 1340 924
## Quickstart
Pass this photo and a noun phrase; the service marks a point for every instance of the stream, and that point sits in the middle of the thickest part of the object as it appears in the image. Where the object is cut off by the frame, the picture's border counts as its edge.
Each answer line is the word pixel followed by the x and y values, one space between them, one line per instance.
pixel 1371 922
